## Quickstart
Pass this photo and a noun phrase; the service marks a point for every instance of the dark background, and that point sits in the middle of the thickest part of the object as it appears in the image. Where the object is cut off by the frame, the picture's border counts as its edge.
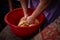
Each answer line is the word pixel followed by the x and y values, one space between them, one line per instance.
pixel 4 9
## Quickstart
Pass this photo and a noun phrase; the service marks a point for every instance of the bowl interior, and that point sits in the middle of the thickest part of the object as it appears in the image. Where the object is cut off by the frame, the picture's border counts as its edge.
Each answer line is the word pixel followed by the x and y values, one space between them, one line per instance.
pixel 14 16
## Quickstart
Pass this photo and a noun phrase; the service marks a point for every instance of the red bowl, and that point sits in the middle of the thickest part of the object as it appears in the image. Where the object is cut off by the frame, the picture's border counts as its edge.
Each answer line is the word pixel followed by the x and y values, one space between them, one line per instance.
pixel 12 19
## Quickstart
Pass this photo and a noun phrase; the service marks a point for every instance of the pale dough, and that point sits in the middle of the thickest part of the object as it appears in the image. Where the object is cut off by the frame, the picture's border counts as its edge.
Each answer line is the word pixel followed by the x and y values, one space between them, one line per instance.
pixel 23 22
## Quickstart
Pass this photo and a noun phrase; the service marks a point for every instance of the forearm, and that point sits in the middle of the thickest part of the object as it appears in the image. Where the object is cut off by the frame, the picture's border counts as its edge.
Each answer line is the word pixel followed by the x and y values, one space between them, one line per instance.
pixel 24 4
pixel 39 9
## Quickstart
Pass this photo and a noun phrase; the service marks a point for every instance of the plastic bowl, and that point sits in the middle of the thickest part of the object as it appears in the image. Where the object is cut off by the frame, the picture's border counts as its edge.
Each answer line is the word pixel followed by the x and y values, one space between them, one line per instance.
pixel 12 19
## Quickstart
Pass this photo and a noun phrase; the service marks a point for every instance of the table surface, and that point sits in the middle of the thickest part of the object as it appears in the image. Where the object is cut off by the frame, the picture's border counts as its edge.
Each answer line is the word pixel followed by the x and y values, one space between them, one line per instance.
pixel 7 34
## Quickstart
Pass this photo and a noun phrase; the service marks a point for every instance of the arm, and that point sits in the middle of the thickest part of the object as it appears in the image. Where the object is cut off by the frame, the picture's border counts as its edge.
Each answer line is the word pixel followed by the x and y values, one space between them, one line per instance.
pixel 41 6
pixel 24 4
pixel 10 4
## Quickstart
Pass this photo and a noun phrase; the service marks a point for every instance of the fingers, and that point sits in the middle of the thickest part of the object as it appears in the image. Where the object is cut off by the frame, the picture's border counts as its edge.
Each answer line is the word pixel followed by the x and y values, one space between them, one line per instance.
pixel 30 20
pixel 25 16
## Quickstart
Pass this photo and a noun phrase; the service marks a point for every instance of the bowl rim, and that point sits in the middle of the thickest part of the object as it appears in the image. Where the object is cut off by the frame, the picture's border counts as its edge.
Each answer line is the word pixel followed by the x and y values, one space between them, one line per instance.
pixel 5 19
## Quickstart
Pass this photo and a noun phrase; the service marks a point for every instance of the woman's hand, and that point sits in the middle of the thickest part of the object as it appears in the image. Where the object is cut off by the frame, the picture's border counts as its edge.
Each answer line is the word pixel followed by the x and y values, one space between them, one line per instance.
pixel 30 19
pixel 24 4
pixel 40 8
pixel 25 16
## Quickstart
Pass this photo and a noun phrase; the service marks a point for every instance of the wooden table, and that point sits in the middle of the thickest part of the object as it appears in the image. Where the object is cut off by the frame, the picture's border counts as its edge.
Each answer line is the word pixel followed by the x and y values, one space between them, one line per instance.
pixel 7 34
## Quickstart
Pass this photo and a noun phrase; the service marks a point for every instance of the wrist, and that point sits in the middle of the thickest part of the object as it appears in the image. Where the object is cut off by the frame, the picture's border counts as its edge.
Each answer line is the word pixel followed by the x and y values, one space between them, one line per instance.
pixel 33 17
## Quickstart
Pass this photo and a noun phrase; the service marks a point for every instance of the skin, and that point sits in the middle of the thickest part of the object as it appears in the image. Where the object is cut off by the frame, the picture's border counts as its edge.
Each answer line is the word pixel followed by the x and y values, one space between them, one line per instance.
pixel 40 8
pixel 24 4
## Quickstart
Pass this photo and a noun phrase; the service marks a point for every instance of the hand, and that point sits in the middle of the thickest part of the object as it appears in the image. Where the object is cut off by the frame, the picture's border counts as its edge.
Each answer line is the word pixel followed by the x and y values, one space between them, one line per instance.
pixel 30 20
pixel 25 16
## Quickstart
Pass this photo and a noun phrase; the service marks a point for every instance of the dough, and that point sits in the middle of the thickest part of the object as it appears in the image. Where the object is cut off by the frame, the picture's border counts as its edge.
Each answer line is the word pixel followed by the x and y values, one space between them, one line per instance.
pixel 23 22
